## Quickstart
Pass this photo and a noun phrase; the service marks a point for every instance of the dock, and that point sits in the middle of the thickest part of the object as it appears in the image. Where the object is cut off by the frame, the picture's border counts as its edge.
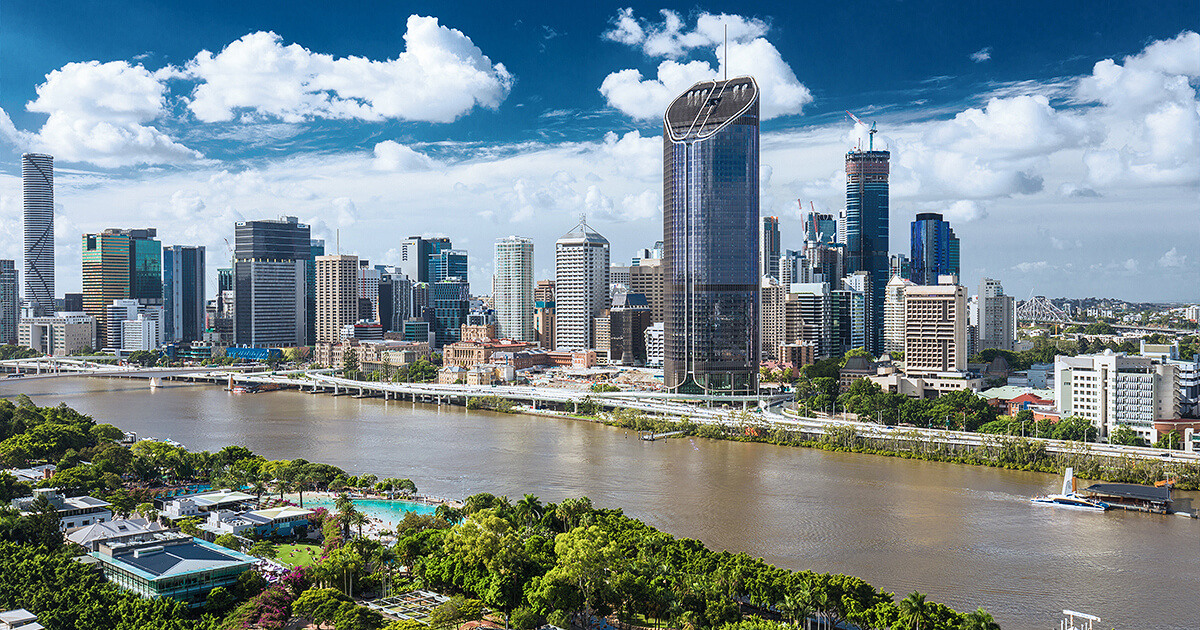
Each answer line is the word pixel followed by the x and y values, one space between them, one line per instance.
pixel 1133 497
pixel 650 437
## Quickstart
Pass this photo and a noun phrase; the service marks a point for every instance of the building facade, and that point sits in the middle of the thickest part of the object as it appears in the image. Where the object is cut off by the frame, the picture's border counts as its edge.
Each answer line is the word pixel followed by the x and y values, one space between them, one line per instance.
pixel 866 228
pixel 710 238
pixel 337 295
pixel 451 300
pixel 581 265
pixel 10 301
pixel 57 335
pixel 1113 389
pixel 513 292
pixel 935 328
pixel 768 260
pixel 934 249
pixel 183 293
pixel 893 314
pixel 270 282
pixel 37 182
pixel 628 320
pixel 997 316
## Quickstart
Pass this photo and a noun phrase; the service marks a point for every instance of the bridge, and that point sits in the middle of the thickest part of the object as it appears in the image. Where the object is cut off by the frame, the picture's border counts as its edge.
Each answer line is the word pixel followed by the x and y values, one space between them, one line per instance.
pixel 49 367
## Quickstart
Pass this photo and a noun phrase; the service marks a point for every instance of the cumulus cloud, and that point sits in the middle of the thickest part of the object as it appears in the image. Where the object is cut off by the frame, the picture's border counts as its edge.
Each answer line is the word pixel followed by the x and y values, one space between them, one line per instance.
pixel 393 156
pixel 440 76
pixel 98 113
pixel 1172 259
pixel 748 52
pixel 982 55
pixel 1027 267
pixel 1014 127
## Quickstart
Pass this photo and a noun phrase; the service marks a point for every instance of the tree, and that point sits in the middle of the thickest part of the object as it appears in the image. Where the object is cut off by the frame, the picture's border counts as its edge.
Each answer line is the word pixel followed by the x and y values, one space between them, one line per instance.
pixel 528 509
pixel 1169 440
pixel 147 511
pixel 352 617
pixel 979 619
pixel 190 526
pixel 455 612
pixel 219 600
pixel 350 363
pixel 43 524
pixel 913 610
pixel 264 549
pixel 1126 436
pixel 319 605
pixel 585 556
pixel 228 541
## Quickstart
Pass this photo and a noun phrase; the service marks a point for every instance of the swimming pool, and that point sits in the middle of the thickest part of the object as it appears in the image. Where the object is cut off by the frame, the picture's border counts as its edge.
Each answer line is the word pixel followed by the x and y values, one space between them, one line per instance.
pixel 387 511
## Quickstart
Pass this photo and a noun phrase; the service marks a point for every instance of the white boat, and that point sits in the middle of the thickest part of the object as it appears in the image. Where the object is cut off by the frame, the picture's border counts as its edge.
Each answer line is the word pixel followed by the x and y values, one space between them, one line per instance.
pixel 1069 499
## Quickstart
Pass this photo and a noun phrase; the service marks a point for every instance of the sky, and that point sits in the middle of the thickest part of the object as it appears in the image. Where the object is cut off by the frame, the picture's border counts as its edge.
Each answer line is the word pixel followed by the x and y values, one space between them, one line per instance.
pixel 1062 141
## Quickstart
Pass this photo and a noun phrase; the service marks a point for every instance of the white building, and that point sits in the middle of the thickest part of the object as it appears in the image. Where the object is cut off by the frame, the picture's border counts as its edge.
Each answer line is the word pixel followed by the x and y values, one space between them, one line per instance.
pixel 60 335
pixel 72 511
pixel 581 261
pixel 935 328
pixel 771 326
pixel 893 314
pixel 368 288
pixel 1111 389
pixel 807 316
pixel 997 316
pixel 513 290
pixel 142 333
pixel 654 344
pixel 336 295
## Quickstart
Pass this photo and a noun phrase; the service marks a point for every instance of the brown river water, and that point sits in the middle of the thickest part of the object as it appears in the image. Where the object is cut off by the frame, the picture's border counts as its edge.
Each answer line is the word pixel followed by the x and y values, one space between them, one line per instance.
pixel 965 535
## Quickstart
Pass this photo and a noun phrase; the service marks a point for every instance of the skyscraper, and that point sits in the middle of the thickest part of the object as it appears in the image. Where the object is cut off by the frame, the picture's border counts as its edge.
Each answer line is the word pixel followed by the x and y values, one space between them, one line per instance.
pixel 581 260
pixel 893 314
pixel 415 252
pixel 9 301
pixel 899 265
pixel 119 265
pixel 934 249
pixel 37 177
pixel 820 228
pixel 316 247
pixel 270 260
pixel 451 301
pixel 337 295
pixel 997 316
pixel 867 228
pixel 935 323
pixel 446 264
pixel 710 238
pixel 514 288
pixel 183 292
pixel 768 260
pixel 368 289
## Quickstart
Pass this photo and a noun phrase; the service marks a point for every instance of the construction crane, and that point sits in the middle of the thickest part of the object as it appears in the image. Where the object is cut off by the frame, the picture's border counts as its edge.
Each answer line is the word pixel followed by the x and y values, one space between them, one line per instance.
pixel 870 132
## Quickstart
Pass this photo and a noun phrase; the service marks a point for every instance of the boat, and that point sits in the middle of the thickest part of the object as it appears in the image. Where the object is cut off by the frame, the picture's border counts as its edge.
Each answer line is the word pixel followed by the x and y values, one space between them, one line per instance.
pixel 1069 499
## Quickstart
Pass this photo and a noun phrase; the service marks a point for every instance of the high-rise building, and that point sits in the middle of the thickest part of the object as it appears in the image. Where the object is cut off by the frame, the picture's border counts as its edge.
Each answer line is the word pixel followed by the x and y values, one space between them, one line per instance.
pixel 224 280
pixel 37 179
pixel 395 300
pixel 628 320
pixel 118 265
pixel 10 302
pixel 513 293
pixel 337 295
pixel 316 247
pixel 368 289
pixel 997 316
pixel 825 263
pixel 934 249
pixel 415 252
pixel 773 295
pixel 866 228
pixel 768 260
pixel 581 260
pixel 270 277
pixel 183 293
pixel 820 228
pixel 648 279
pixel 73 302
pixel 848 313
pixel 451 301
pixel 807 317
pixel 710 234
pixel 791 263
pixel 893 314
pixel 935 327
pixel 543 313
pixel 899 265
pixel 448 264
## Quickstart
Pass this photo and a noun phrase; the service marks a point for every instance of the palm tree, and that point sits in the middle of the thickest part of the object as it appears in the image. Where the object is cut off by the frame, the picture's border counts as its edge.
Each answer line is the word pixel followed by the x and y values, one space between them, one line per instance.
pixel 359 519
pixel 913 610
pixel 529 509
pixel 259 488
pixel 980 620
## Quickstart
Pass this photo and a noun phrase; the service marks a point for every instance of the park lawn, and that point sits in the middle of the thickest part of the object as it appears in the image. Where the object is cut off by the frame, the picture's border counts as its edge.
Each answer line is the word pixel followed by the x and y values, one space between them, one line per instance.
pixel 302 555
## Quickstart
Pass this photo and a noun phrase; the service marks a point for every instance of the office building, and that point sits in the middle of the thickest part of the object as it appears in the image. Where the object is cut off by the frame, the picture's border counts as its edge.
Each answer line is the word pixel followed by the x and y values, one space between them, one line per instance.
pixel 139 333
pixel 771 311
pixel 116 314
pixel 769 251
pixel 807 317
pixel 934 249
pixel 866 227
pixel 395 300
pixel 581 260
pixel 447 264
pixel 415 254
pixel 618 278
pixel 368 290
pixel 337 295
pixel 451 302
pixel 823 263
pixel 1112 389
pixel 73 302
pixel 183 293
pixel 316 247
pixel 893 314
pixel 270 282
pixel 997 316
pixel 900 266
pixel 37 180
pixel 224 280
pixel 10 302
pixel 628 320
pixel 935 328
pixel 648 278
pixel 513 292
pixel 654 344
pixel 820 228
pixel 848 314
pixel 58 335
pixel 710 230
pixel 118 265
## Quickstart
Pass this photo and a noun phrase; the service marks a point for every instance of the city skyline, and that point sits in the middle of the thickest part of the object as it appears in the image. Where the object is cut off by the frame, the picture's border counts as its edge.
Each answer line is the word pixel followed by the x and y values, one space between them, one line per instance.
pixel 1037 158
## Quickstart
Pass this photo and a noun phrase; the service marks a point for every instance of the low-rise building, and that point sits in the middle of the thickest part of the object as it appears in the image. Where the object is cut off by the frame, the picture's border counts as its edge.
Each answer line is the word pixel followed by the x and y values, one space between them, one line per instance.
pixel 72 511
pixel 19 619
pixel 285 521
pixel 116 531
pixel 1113 389
pixel 468 354
pixel 925 384
pixel 33 474
pixel 60 335
pixel 173 565
pixel 197 504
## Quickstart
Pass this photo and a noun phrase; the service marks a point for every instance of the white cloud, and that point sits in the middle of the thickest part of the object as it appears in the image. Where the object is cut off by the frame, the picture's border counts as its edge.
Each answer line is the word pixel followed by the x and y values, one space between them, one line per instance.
pixel 1027 267
pixel 749 53
pixel 440 76
pixel 98 113
pixel 1172 259
pixel 393 156
pixel 982 55
pixel 1014 127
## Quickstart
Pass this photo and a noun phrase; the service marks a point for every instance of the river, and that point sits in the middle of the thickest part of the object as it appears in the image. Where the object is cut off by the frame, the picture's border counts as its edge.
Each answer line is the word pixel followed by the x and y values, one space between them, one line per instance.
pixel 967 536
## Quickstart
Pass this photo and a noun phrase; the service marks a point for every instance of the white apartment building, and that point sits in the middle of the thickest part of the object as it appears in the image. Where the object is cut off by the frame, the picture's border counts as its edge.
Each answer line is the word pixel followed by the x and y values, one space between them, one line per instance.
pixel 935 327
pixel 60 335
pixel 997 316
pixel 807 316
pixel 1111 389
pixel 654 344
pixel 513 288
pixel 893 314
pixel 137 334
pixel 337 293
pixel 581 264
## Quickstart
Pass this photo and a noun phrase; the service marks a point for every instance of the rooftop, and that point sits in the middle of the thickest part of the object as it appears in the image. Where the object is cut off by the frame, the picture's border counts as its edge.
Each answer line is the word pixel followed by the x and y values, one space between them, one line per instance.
pixel 170 555
pixel 1157 494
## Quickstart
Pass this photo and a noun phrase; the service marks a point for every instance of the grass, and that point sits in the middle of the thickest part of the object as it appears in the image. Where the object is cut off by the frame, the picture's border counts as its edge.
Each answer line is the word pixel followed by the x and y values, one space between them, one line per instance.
pixel 301 555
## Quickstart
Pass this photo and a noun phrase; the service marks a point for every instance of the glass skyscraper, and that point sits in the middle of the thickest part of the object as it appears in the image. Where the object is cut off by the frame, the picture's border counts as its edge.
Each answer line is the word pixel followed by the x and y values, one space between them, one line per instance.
pixel 867 230
pixel 934 249
pixel 37 178
pixel 270 284
pixel 9 302
pixel 710 238
pixel 120 265
pixel 183 293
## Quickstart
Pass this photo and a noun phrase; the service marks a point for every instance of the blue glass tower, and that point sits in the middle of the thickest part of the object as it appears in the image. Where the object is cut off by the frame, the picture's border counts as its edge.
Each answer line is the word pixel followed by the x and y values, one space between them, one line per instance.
pixel 867 230
pixel 710 238
pixel 934 249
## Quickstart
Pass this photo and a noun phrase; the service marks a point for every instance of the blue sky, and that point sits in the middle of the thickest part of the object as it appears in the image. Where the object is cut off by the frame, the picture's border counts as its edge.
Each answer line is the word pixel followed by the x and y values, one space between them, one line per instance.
pixel 1063 173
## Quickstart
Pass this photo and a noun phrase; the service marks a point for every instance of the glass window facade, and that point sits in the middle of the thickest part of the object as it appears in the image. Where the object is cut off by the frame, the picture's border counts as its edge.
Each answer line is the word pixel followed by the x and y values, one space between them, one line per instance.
pixel 934 249
pixel 867 230
pixel 711 238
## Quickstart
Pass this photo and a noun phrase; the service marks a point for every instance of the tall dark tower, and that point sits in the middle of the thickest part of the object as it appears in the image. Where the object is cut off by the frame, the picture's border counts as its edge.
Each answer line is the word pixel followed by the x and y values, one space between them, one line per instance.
pixel 710 238
pixel 867 229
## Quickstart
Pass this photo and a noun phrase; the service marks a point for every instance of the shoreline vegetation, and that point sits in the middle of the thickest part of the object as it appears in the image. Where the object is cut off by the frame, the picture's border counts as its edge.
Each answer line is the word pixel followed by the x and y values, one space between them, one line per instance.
pixel 515 564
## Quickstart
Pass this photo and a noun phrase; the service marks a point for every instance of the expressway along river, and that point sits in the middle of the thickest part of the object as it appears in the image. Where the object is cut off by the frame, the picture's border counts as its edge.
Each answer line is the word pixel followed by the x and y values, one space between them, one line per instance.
pixel 967 536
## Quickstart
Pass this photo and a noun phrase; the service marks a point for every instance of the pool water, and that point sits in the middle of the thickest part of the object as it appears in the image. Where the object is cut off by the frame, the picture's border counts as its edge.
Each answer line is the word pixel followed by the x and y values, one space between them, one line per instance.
pixel 387 511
